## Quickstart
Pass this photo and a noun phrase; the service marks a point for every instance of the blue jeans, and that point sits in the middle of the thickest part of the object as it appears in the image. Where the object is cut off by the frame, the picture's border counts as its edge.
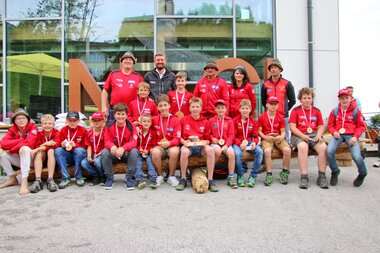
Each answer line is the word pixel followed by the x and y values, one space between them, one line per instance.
pixel 256 163
pixel 152 174
pixel 354 150
pixel 95 168
pixel 65 158
pixel 130 158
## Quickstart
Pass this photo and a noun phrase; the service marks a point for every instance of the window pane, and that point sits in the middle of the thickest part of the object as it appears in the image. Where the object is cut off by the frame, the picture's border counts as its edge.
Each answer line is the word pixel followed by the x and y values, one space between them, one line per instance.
pixel 194 7
pixel 189 43
pixel 34 66
pixel 33 8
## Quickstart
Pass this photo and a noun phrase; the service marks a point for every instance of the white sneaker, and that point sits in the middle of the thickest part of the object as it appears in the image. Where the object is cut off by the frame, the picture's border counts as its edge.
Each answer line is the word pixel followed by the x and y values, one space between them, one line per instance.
pixel 160 180
pixel 173 181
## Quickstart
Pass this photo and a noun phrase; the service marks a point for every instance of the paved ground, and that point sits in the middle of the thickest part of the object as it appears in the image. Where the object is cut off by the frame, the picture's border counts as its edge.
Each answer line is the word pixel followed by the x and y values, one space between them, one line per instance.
pixel 264 219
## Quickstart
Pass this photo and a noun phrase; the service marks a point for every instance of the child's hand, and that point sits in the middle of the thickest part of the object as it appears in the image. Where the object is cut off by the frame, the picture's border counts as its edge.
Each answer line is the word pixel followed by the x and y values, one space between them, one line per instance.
pixel 113 150
pixel 243 146
pixel 89 159
pixel 164 144
pixel 214 140
pixel 336 135
pixel 270 138
pixel 119 152
pixel 353 141
pixel 224 148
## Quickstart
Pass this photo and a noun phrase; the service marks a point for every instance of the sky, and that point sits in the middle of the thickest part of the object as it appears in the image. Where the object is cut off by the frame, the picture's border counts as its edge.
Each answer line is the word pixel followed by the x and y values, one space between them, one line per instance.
pixel 359 36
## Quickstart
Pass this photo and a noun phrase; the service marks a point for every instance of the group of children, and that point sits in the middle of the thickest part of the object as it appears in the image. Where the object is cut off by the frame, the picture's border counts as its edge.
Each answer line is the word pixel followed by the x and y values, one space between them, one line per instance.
pixel 175 128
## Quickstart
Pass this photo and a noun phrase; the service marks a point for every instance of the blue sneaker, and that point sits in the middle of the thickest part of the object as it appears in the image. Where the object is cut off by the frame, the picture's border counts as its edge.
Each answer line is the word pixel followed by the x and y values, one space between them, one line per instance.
pixel 108 185
pixel 129 184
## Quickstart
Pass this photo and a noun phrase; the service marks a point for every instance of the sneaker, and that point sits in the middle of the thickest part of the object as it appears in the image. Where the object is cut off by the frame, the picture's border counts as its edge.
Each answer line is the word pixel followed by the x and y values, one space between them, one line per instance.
pixel 232 182
pixel 268 180
pixel 240 181
pixel 152 185
pixel 129 184
pixel 36 187
pixel 140 184
pixel 80 182
pixel 359 180
pixel 52 186
pixel 102 180
pixel 284 177
pixel 322 182
pixel 173 181
pixel 251 181
pixel 304 183
pixel 160 180
pixel 182 184
pixel 334 178
pixel 212 186
pixel 95 181
pixel 64 183
pixel 108 185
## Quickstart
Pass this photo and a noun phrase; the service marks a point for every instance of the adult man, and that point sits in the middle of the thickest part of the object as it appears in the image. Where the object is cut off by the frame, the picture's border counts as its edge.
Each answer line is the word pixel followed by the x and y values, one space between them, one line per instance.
pixel 210 89
pixel 280 88
pixel 121 85
pixel 160 79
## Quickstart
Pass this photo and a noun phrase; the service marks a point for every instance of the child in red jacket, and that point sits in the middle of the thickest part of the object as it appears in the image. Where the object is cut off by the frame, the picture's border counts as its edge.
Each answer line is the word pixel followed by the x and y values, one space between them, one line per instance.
pixel 16 149
pixel 179 98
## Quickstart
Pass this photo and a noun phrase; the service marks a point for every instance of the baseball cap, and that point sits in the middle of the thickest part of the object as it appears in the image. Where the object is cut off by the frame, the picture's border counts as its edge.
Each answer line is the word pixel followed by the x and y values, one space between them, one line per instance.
pixel 272 99
pixel 344 92
pixel 220 101
pixel 72 115
pixel 97 115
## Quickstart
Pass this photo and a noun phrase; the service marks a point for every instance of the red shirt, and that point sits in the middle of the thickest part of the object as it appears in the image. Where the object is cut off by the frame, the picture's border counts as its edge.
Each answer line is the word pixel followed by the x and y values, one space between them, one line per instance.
pixel 78 135
pixel 350 126
pixel 127 139
pixel 184 97
pixel 228 129
pixel 14 140
pixel 252 134
pixel 265 124
pixel 305 120
pixel 195 127
pixel 238 94
pixel 98 142
pixel 173 129
pixel 123 88
pixel 210 91
pixel 54 135
pixel 138 107
pixel 148 141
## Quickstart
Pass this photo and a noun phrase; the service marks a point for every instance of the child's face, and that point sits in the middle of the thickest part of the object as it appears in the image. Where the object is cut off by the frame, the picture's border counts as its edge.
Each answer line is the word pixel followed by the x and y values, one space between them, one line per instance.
pixel 180 82
pixel 306 100
pixel 345 100
pixel 272 107
pixel 146 122
pixel 220 109
pixel 120 116
pixel 72 123
pixel 245 110
pixel 97 123
pixel 163 107
pixel 47 125
pixel 143 92
pixel 195 108
pixel 21 121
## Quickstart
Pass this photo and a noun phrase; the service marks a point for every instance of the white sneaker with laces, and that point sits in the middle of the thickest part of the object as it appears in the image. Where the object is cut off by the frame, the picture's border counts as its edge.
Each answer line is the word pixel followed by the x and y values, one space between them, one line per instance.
pixel 159 180
pixel 173 181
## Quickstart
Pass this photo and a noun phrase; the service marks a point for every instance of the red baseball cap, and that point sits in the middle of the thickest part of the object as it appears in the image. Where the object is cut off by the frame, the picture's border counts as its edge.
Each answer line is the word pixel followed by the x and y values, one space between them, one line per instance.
pixel 97 115
pixel 220 101
pixel 272 99
pixel 344 92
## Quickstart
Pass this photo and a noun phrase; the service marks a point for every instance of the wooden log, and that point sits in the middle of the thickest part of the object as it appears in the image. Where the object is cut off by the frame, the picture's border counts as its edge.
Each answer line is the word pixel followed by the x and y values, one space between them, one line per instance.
pixel 199 180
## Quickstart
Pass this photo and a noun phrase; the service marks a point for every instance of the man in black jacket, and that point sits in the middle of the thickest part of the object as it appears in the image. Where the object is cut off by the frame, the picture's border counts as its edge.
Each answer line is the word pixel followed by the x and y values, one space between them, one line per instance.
pixel 160 79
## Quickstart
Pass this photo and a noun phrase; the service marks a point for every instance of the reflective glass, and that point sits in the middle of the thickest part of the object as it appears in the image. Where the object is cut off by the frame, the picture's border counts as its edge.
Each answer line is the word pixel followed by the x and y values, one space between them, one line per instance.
pixel 194 7
pixel 34 66
pixel 33 8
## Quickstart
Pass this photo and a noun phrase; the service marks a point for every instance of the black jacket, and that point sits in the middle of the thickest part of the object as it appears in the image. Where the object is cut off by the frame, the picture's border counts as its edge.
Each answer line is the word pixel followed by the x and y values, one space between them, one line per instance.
pixel 160 86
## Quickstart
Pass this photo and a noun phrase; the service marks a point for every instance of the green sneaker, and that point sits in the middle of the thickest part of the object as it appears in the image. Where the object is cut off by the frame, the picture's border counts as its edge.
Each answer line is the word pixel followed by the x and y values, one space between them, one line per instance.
pixel 240 181
pixel 64 183
pixel 232 182
pixel 152 185
pixel 251 181
pixel 268 180
pixel 80 182
pixel 212 186
pixel 182 184
pixel 284 177
pixel 140 184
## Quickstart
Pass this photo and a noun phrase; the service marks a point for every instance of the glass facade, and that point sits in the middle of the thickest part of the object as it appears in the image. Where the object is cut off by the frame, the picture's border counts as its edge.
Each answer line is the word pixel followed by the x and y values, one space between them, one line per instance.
pixel 41 36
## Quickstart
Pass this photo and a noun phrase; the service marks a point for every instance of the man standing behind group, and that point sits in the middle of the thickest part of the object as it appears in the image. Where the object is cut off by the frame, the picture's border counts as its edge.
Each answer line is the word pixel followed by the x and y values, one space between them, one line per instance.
pixel 121 85
pixel 160 79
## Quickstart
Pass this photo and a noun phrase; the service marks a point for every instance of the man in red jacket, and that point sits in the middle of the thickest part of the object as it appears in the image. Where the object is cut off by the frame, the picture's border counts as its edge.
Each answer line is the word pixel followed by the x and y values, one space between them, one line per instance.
pixel 16 149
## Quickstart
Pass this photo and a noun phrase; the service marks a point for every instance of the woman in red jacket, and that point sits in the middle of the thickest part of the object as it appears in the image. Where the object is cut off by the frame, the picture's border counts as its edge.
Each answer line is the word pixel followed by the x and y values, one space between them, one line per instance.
pixel 16 149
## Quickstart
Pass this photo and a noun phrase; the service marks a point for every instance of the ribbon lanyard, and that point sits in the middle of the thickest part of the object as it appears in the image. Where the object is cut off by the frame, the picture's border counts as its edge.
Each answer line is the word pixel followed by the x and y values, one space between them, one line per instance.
pixel 343 116
pixel 271 122
pixel 147 141
pixel 245 133
pixel 221 130
pixel 179 105
pixel 97 145
pixel 143 107
pixel 119 140
pixel 162 125
pixel 304 114
pixel 68 135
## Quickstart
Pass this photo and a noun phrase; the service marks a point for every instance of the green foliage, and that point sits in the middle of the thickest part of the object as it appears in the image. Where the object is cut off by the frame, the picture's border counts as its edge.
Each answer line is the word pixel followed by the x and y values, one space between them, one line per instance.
pixel 375 120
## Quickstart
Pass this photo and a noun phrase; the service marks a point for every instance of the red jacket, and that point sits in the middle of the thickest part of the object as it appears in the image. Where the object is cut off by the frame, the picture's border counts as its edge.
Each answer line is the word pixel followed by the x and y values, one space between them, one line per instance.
pixel 210 92
pixel 185 102
pixel 142 140
pixel 351 127
pixel 134 113
pixel 253 134
pixel 128 139
pixel 266 128
pixel 55 136
pixel 78 135
pixel 238 94
pixel 13 140
pixel 172 132
pixel 228 129
pixel 195 127
pixel 99 141
pixel 303 120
